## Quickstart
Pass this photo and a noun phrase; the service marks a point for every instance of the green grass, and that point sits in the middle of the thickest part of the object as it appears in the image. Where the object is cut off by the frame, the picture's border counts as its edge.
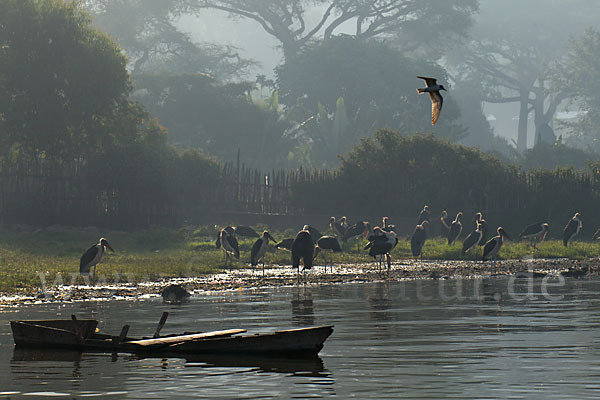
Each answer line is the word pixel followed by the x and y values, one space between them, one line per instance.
pixel 153 254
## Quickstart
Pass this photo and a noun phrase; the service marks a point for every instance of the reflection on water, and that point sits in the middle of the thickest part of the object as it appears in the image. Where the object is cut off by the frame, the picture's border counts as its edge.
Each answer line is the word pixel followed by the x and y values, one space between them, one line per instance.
pixel 493 338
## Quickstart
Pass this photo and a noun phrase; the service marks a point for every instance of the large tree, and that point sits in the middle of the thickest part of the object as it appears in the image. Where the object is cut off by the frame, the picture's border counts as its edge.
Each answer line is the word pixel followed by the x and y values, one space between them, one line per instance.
pixel 219 118
pixel 147 30
pixel 511 54
pixel 418 23
pixel 60 80
pixel 345 88
pixel 580 78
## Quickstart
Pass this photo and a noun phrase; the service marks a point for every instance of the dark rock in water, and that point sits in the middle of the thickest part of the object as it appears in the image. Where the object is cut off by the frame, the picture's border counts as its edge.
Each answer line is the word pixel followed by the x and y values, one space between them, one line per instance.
pixel 574 273
pixel 175 294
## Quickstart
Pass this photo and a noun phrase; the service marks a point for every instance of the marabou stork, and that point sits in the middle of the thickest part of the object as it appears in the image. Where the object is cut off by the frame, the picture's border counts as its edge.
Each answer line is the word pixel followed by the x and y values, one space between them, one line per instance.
pixel 285 244
pixel 338 226
pixel 572 229
pixel 455 229
pixel 314 232
pixel 230 231
pixel 303 248
pixel 434 95
pixel 535 231
pixel 381 243
pixel 229 244
pixel 424 215
pixel 445 219
pixel 484 227
pixel 418 238
pixel 326 243
pixel 473 239
pixel 259 249
pixel 92 257
pixel 387 227
pixel 358 229
pixel 245 231
pixel 492 247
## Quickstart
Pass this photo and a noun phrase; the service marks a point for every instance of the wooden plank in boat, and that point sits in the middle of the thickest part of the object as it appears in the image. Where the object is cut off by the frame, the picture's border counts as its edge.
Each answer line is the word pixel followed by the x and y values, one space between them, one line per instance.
pixel 185 338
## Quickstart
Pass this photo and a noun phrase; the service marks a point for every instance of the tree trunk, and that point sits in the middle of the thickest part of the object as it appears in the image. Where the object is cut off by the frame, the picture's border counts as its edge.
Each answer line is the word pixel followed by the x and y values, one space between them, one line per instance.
pixel 523 114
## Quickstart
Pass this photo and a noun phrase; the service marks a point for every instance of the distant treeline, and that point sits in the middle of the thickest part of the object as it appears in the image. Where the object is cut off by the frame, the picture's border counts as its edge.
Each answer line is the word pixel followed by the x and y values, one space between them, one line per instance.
pixel 388 174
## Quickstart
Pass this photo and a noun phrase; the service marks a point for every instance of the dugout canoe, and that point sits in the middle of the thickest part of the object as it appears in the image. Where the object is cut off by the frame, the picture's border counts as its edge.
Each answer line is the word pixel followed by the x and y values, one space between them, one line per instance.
pixel 82 335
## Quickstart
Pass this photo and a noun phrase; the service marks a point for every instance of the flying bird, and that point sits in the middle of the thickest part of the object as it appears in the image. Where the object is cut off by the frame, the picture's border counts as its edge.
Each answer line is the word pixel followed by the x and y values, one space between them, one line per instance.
pixel 92 257
pixel 434 94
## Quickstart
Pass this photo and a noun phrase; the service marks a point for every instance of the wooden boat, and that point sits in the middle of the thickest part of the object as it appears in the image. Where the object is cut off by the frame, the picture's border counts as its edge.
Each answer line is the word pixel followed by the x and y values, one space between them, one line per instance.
pixel 81 334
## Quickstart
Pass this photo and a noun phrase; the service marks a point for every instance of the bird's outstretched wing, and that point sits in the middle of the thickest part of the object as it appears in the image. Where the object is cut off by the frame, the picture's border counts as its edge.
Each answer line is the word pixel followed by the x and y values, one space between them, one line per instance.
pixel 436 105
pixel 428 81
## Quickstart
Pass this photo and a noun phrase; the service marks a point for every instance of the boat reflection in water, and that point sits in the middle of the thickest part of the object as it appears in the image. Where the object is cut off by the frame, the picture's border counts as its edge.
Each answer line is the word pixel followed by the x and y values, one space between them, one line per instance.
pixel 310 365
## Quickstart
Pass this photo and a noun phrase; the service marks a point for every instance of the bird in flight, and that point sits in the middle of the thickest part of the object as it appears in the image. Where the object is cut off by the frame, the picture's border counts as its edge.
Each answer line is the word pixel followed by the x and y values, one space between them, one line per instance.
pixel 434 94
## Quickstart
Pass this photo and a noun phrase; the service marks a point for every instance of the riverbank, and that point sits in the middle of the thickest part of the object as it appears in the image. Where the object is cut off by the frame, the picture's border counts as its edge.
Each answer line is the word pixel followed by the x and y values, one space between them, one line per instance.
pixel 275 276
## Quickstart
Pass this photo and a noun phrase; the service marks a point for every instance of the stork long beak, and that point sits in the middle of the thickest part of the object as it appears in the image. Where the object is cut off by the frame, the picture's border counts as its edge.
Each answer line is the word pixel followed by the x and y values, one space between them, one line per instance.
pixel 506 235
pixel 110 247
pixel 544 236
pixel 271 237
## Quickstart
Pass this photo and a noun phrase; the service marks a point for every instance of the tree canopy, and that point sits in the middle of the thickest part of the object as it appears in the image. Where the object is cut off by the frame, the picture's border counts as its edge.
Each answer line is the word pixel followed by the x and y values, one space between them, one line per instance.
pixel 373 82
pixel 60 80
pixel 411 20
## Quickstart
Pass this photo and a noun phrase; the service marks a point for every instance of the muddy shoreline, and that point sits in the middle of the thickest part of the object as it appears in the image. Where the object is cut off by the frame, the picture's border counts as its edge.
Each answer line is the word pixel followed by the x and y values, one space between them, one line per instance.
pixel 276 276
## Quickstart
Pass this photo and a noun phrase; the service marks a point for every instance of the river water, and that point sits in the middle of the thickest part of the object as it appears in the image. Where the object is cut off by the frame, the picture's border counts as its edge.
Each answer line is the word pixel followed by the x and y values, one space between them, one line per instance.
pixel 461 339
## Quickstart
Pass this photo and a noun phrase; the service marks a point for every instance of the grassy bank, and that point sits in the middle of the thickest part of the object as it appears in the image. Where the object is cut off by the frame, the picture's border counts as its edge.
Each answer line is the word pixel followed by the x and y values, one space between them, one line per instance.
pixel 27 255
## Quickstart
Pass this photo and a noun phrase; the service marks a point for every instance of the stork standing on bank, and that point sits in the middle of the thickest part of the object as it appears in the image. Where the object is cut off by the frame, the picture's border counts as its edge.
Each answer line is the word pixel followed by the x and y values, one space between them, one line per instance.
pixel 314 233
pixel 445 219
pixel 572 229
pixel 381 243
pixel 92 257
pixel 473 239
pixel 259 249
pixel 245 231
pixel 539 230
pixel 434 94
pixel 387 227
pixel 455 229
pixel 424 215
pixel 479 221
pixel 229 244
pixel 338 226
pixel 356 230
pixel 285 244
pixel 325 244
pixel 492 247
pixel 418 238
pixel 303 248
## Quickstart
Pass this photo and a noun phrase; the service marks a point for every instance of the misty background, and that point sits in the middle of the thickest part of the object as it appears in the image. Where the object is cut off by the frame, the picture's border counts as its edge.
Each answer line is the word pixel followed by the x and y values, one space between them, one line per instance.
pixel 139 112
pixel 536 33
